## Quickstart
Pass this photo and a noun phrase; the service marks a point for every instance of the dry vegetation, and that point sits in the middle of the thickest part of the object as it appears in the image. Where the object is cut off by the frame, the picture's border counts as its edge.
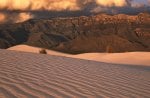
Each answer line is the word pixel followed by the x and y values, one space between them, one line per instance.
pixel 43 51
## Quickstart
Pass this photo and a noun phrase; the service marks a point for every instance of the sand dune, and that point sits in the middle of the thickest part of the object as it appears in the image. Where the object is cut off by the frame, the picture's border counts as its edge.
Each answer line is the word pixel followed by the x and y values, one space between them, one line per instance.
pixel 134 58
pixel 29 75
pixel 26 48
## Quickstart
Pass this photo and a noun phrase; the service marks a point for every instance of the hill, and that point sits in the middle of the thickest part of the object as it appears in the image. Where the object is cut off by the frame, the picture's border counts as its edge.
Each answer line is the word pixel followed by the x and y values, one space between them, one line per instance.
pixel 99 33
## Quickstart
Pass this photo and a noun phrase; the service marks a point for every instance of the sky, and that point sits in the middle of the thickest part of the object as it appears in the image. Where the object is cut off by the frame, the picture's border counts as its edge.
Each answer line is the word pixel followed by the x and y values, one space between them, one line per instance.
pixel 14 11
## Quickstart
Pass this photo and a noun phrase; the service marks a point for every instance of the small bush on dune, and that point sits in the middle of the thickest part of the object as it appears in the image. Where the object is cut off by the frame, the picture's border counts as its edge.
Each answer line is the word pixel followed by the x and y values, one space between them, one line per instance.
pixel 43 51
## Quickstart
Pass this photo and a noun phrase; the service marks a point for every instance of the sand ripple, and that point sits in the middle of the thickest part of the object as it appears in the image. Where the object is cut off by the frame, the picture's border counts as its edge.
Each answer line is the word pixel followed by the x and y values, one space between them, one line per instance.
pixel 28 75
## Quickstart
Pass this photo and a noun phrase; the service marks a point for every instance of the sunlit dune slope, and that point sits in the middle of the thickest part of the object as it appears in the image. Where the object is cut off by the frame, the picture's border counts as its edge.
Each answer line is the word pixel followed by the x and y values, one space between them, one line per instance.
pixel 30 75
pixel 26 48
pixel 134 58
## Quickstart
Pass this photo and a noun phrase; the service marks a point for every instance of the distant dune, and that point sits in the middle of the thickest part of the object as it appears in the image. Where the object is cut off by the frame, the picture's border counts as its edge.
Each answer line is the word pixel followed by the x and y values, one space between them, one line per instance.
pixel 30 75
pixel 26 48
pixel 134 58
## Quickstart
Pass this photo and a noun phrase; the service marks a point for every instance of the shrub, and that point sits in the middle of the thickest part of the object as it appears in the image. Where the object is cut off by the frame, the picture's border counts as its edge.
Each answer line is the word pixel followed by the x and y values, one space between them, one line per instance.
pixel 43 51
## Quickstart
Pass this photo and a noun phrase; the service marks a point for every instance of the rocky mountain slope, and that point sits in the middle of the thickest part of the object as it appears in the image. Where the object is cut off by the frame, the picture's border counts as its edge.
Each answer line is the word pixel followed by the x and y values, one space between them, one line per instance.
pixel 99 33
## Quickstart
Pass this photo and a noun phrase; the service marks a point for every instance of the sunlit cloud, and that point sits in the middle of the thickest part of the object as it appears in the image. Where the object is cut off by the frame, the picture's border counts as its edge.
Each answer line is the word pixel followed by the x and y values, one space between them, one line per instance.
pixel 110 3
pixel 23 17
pixel 2 17
pixel 15 17
pixel 39 5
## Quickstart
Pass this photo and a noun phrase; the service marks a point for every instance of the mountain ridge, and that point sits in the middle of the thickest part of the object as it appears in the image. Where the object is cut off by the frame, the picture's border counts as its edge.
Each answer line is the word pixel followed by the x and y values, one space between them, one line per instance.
pixel 82 34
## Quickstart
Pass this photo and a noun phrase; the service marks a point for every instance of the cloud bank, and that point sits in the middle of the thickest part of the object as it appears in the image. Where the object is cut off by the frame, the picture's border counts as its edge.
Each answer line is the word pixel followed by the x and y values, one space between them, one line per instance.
pixel 21 10
pixel 109 3
pixel 2 18
pixel 38 5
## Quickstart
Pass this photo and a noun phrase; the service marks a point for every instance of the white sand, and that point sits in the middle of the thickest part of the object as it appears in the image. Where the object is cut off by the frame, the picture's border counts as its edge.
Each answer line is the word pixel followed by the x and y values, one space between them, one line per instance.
pixel 29 75
pixel 26 48
pixel 134 58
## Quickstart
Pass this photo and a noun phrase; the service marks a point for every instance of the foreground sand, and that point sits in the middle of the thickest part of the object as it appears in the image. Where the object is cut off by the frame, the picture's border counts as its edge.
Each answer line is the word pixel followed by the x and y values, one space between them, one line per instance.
pixel 134 58
pixel 29 75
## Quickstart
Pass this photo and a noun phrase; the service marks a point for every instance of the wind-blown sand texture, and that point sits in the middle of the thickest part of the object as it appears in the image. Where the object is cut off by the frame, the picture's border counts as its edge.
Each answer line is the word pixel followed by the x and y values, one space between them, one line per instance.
pixel 134 58
pixel 29 75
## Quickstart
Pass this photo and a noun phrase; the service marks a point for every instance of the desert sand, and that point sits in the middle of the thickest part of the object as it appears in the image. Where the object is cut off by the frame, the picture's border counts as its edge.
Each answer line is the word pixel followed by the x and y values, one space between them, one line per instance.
pixel 132 58
pixel 30 75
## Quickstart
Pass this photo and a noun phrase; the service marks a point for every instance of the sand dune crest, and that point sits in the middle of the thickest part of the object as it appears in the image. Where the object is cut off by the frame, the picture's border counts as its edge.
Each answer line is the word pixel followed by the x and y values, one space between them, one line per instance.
pixel 132 58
